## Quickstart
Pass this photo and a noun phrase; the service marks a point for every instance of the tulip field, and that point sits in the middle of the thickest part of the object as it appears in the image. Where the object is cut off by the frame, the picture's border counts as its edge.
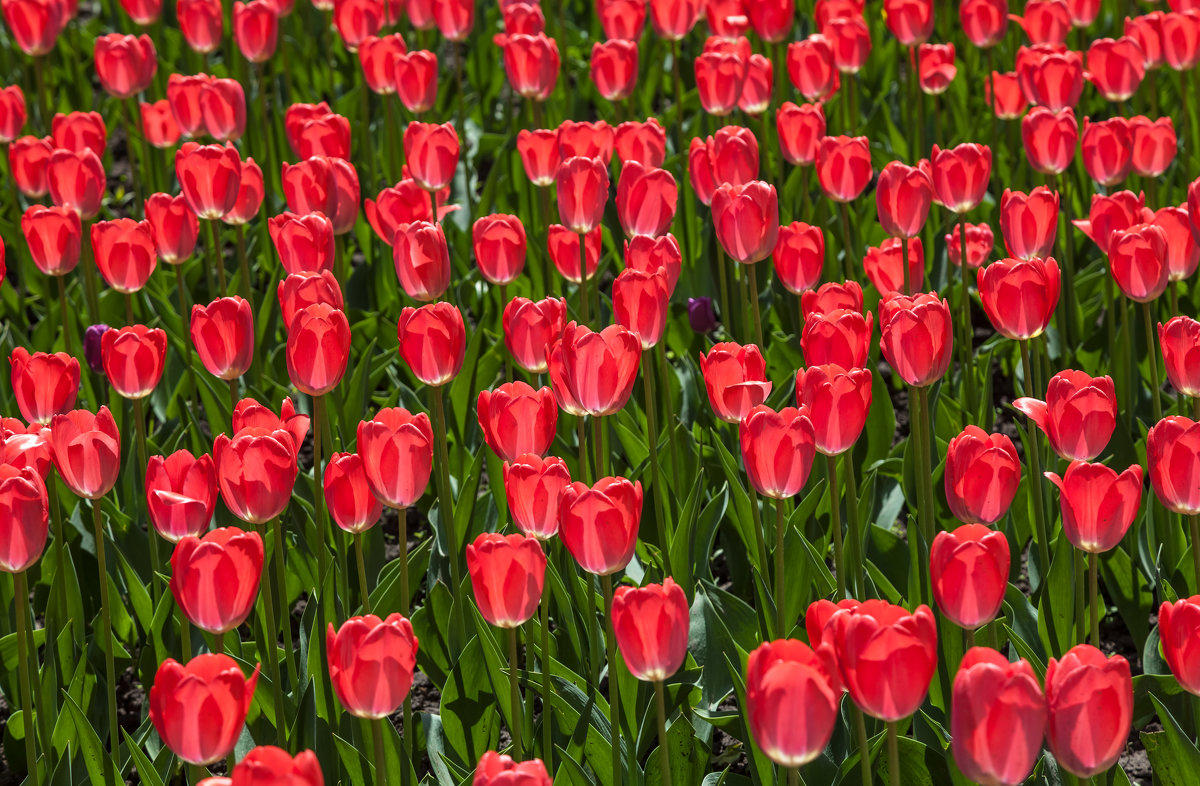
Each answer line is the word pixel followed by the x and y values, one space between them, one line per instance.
pixel 600 392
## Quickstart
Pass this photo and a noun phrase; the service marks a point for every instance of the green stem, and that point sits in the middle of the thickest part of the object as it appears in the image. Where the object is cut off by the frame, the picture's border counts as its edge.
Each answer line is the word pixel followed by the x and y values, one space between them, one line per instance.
pixel 139 424
pixel 65 311
pixel 581 440
pixel 214 256
pixel 1080 598
pixel 759 540
pixel 660 517
pixel 614 692
pixel 406 738
pixel 446 508
pixel 864 743
pixel 1035 487
pixel 847 262
pixel 908 287
pixel 363 592
pixel 584 306
pixel 1094 571
pixel 269 647
pixel 547 711
pixel 893 744
pixel 514 696
pixel 660 705
pixel 780 532
pixel 723 282
pixel 239 234
pixel 668 403
pixel 185 636
pixel 128 123
pixel 380 751
pixel 284 616
pixel 1152 355
pixel 835 524
pixel 27 654
pixel 967 352
pixel 858 557
pixel 110 666
pixel 752 294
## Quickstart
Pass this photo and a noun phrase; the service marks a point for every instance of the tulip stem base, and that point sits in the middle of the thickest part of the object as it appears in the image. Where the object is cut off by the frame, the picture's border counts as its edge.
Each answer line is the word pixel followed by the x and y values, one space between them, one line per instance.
pixel 1035 487
pixel 27 654
pixel 864 743
pixel 269 649
pixel 364 593
pixel 1080 598
pixel 835 525
pixel 547 712
pixel 614 691
pixel 660 706
pixel 284 616
pixel 1094 585
pixel 380 750
pixel 110 666
pixel 514 695
pixel 780 589
pixel 751 282
pixel 847 262
pixel 723 281
pixel 215 257
pixel 893 743
pixel 185 636
pixel 581 440
pixel 759 541
pixel 1152 355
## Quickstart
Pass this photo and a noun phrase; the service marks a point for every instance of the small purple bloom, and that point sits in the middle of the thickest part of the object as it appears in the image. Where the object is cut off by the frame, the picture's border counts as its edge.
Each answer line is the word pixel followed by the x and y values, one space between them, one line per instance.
pixel 700 314
pixel 92 338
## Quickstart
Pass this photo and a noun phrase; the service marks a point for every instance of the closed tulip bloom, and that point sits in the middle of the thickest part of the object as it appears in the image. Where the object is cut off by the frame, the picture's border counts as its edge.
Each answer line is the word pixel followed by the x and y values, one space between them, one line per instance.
pixel 851 41
pixel 371 664
pixel 777 449
pixel 200 21
pixel 1098 505
pixel 532 487
pixel 53 236
pixel 1089 698
pixel 1078 415
pixel 255 29
pixel 223 334
pixel 840 337
pixel 134 358
pixel 495 769
pixel 1029 222
pixel 640 303
pixel 1020 295
pixel 256 471
pixel 250 195
pixel 614 68
pixel 1147 31
pixel 1180 343
pixel 599 524
pixel 530 328
pixel 772 20
pixel 759 86
pixel 29 161
pixel 539 155
pixel 432 153
pixel 984 21
pixel 960 175
pixel 181 494
pixel 747 220
pixel 832 296
pixel 405 203
pixel 647 254
pixel 651 628
pixel 1137 259
pixel 800 130
pixel 886 656
pixel 902 197
pixel 433 342
pixel 12 113
pixel 646 199
pixel 644 142
pixel 1107 150
pixel 720 77
pixel 215 578
pixel 799 256
pixel 811 68
pixel 620 19
pixel 499 244
pixel 1154 145
pixel 936 67
pixel 267 765
pixel 422 260
pixel 199 709
pixel 1180 40
pixel 884 266
pixel 837 401
pixel 1179 633
pixel 843 167
pixel 1004 95
pixel 357 20
pixel 26 446
pixel 969 571
pixel 1173 457
pixel 310 187
pixel 1183 253
pixel 997 718
pixel 300 290
pixel 318 348
pixel 728 156
pixel 124 253
pixel 43 384
pixel 325 135
pixel 1050 139
pixel 80 130
pixel 397 452
pixel 588 139
pixel 911 21
pixel 507 577
pixel 792 698
pixel 598 368
pixel 304 243
pixel 455 18
pixel 377 55
pixel 24 512
pixel 916 336
pixel 34 24
pixel 735 379
pixel 352 505
pixel 87 451
pixel 183 96
pixel 1050 76
pixel 76 180
pixel 516 419
pixel 1045 21
pixel 531 62
pixel 980 242
pixel 248 413
pixel 174 227
pixel 209 176
pixel 1108 213
pixel 1116 67
pixel 674 19
pixel 582 193
pixel 125 64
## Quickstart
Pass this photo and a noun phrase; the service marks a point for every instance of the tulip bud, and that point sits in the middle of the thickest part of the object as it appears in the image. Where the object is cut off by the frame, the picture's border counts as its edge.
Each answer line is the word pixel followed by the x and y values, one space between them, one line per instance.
pixel 991 694
pixel 215 578
pixel 599 524
pixel 371 664
pixel 1098 505
pixel 792 698
pixel 533 487
pixel 1082 686
pixel 968 569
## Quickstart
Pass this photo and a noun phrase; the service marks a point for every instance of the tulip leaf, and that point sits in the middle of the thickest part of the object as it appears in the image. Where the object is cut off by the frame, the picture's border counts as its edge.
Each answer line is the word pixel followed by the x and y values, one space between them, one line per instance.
pixel 1056 610
pixel 84 740
pixel 1173 756
pixel 741 514
pixel 470 719
pixel 147 773
pixel 688 756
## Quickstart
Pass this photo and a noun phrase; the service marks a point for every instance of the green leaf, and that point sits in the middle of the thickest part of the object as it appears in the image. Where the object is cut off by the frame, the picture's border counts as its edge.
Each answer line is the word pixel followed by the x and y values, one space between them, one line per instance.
pixel 83 739
pixel 1173 757
pixel 470 720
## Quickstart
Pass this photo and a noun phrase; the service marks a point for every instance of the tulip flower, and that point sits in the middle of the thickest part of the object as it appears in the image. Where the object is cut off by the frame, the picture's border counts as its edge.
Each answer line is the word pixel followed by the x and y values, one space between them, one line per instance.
pixel 643 142
pixel 596 370
pixel 304 243
pixel 134 358
pixel 223 334
pixel 720 77
pixel 1183 253
pixel 309 186
pixel 902 197
pixel 1029 222
pixel 318 348
pixel 80 130
pixel 1179 630
pixel 174 227
pixel 125 64
pixel 792 698
pixel 1004 95
pixel 810 67
pixel 991 694
pixel 582 193
pixel 837 401
pixel 646 199
pixel 223 107
pixel 1180 40
pixel 1020 295
pixel 256 471
pixel 248 413
pixel 728 156
pixel 539 155
pixel 183 96
pixel 1173 458
pixel 76 180
pixel 672 20
pixel 1107 148
pixel 640 304
pixel 34 24
pixel 614 68
pixel 1153 145
pixel 799 256
pixel 43 384
pixel 199 709
pixel 432 342
pixel 885 266
pixel 209 176
pixel 777 449
pixel 1137 259
pixel 215 578
pixel 1050 139
pixel 250 195
pixel 300 290
pixel 647 254
pixel 181 494
pixel 200 21
pixel 53 237
pixel 499 244
pixel 586 139
pixel 960 176
pixel 1083 687
pixel 840 337
pixel 935 67
pixel 376 55
pixel 319 135
pixel 1045 21
pixel 516 419
pixel 911 21
pixel 916 336
pixel 651 626
pixel 747 220
pixel 531 62
pixel 969 571
pixel 531 328
pixel 1098 505
pixel 422 260
pixel 371 664
pixel 984 21
pixel 599 524
pixel 124 252
pixel 831 297
pixel 1179 340
pixel 266 764
pixel 12 113
pixel 843 167
pixel 1078 416
pixel 1116 67
pixel 455 18
pixel 353 506
pixel 432 153
pixel 1108 213
pixel 397 452
pixel 980 241
pixel 29 162
pixel 495 769
pixel 1148 31
pixel 255 29
pixel 735 379
pixel 26 446
pixel 800 130
pixel 24 513
pixel 507 576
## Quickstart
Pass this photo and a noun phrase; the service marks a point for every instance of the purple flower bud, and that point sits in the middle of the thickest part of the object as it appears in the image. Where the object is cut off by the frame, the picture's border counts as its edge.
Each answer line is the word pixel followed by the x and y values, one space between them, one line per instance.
pixel 700 314
pixel 92 338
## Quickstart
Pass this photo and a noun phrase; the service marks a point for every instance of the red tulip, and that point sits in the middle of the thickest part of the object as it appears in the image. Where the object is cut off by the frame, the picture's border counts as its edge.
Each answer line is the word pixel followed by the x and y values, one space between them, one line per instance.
pixel 997 718
pixel 777 449
pixel 1116 68
pixel 320 135
pixel 377 55
pixel 209 176
pixel 645 142
pixel 248 413
pixel 255 29
pixel 1078 415
pixel 902 197
pixel 499 244
pixel 1019 296
pixel 587 139
pixel 34 24
pixel 772 20
pixel 936 69
pixel 595 369
pixel 183 96
pixel 405 203
pixel 1098 505
pixel 53 236
pixel 539 155
pixel 530 328
pixel 304 243
pixel 421 13
pixel 798 256
pixel 422 260
pixel 371 663
pixel 267 765
pixel 728 156
pixel 911 21
pixel 134 358
pixel 28 161
pixel 916 336
pixel 1089 698
pixel 832 297
pixel 810 66
pixel 614 68
pixel 76 180
pixel 181 494
pixel 1183 253
pixel 640 303
pixel 1137 259
pixel 1147 31
pixel 516 419
pixel 646 199
pixel 300 290
pixel 735 379
pixel 1180 40
pixel 397 452
pixel 455 18
pixel 1045 21
pixel 792 697
pixel 599 524
pixel 1108 213
pixel 720 77
pixel 256 471
pixel 837 401
pixel 215 578
pixel 800 130
pixel 24 513
pixel 352 505
pixel 884 266
pixel 531 62
pixel 433 342
pixel 747 220
pixel 174 227
pixel 1177 629
pixel 432 153
pixel 43 384
pixel 125 64
pixel 124 252
pixel 250 195
pixel 1173 457
pixel 980 242
pixel 1107 150
pixel 674 19
pixel 199 709
pixel 647 254
pixel 357 20
pixel 200 21
pixel 1180 342
pixel 507 577
pixel 969 572
pixel 80 130
pixel 532 487
pixel 851 42
pixel 886 656
pixel 984 21
pixel 346 195
pixel 1050 76
pixel 309 186
pixel 223 334
pixel 840 337
pixel 318 348
pixel 1009 102
pixel 621 19
pixel 87 451
pixel 582 193
pixel 843 167
pixel 650 624
pixel 1050 139
pixel 25 446
pixel 497 770
pixel 1029 222
pixel 1153 145
pixel 759 86
pixel 960 176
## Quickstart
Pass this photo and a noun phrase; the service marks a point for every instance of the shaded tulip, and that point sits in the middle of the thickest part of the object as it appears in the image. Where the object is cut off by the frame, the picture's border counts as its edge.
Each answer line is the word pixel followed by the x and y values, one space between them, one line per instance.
pixel 24 513
pixel 837 401
pixel 800 130
pixel 851 41
pixel 250 195
pixel 433 342
pixel 1179 632
pixel 76 180
pixel 643 142
pixel 530 328
pixel 532 487
pixel 614 68
pixel 215 578
pixel 960 175
pixel 507 576
pixel 1116 67
pixel 174 227
pixel 1045 21
pixel 969 573
pixel 1180 40
pixel 1078 416
pixel 647 254
pixel 840 337
pixel 43 384
pixel 256 471
pixel 199 710
pixel 267 765
pixel 371 663
pixel 29 162
pixel 1098 505
pixel 134 358
pixel 672 20
pixel 432 153
pixel 1050 139
pixel 980 242
pixel 53 236
pixel 792 698
pixel 884 266
pixel 1003 92
pixel 640 303
pixel 1180 343
pixel 125 64
pixel 1020 295
pixel 1137 259
pixel 499 244
pixel 843 167
pixel 582 193
pixel 309 187
pixel 200 21
pixel 377 55
pixel 12 113
pixel 595 369
pixel 455 18
pixel 304 243
pixel 810 67
pixel 223 335
pixel 318 348
pixel 799 256
pixel 1153 145
pixel 984 21
pixel 422 260
pixel 1089 698
pixel 646 199
pixel 34 24
pixel 650 624
pixel 516 419
pixel 209 177
pixel 1173 457
pixel 916 336
pixel 777 449
pixel 1029 222
pixel 183 96
pixel 397 451
pixel 531 62
pixel 255 29
pixel 539 155
pixel 93 338
pixel 599 524
pixel 991 694
pixel 1183 253
pixel 124 252
pixel 701 317
pixel 352 505
pixel 911 21
pixel 935 67
pixel 181 494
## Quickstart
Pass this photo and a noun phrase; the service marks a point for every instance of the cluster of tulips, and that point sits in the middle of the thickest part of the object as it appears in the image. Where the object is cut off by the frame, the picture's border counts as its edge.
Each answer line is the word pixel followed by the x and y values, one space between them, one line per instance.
pixel 866 584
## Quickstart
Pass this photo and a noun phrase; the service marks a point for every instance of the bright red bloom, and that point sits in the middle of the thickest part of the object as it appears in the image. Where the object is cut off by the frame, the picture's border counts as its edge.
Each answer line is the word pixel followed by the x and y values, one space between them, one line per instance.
pixel 433 342
pixel 614 68
pixel 24 513
pixel 792 698
pixel 53 236
pixel 125 64
pixel 1098 505
pixel 404 203
pixel 799 256
pixel 76 180
pixel 1029 222
pixel 124 252
pixel 917 337
pixel 884 266
pixel 720 77
pixel 960 175
pixel 1090 702
pixel 837 401
pixel 181 494
pixel 497 770
pixel 371 663
pixel 840 337
pixel 759 86
pixel 539 155
pixel 256 471
pixel 582 193
pixel 28 160
pixel 651 627
pixel 1180 40
pixel 200 21
pixel 643 142
pixel 640 303
pixel 1179 632
pixel 397 451
pixel 1137 259
pixel 183 96
pixel 981 477
pixel 936 69
pixel 516 419
pixel 1008 102
pixel 531 62
pixel 1183 253
pixel 997 718
pixel 620 19
pixel 300 290
pixel 728 156
pixel 980 242
pixel 507 576
pixel 250 195
pixel 1020 295
pixel 455 18
pixel 25 446
pixel 352 504
pixel 1107 148
pixel 777 449
pixel 1050 76
pixel 377 55
pixel 199 709
pixel 800 130
pixel 256 29
pixel 223 334
pixel 1153 145
pixel 1050 139
pixel 79 131
pixel 1180 343
pixel 134 358
pixel 432 153
pixel 267 765
pixel 587 139
pixel 34 24
pixel 87 451
pixel 209 176
pixel 310 187
pixel 969 571
pixel 174 226
pixel 1078 415
pixel 1116 67
pixel 318 348
pixel 851 42
pixel 532 487
pixel 43 384
pixel 843 167
pixel 531 328
pixel 810 67
pixel 1108 213
pixel 984 21
pixel 422 260
pixel 911 21
pixel 215 578
pixel 747 220
pixel 599 524
pixel 672 20
pixel 1173 457
pixel 646 199
pixel 304 243
pixel 248 413
pixel 648 254
pixel 832 296
pixel 595 369
pixel 1045 21
pixel 903 195
pixel 1147 30
pixel 735 379
pixel 499 244
pixel 357 20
